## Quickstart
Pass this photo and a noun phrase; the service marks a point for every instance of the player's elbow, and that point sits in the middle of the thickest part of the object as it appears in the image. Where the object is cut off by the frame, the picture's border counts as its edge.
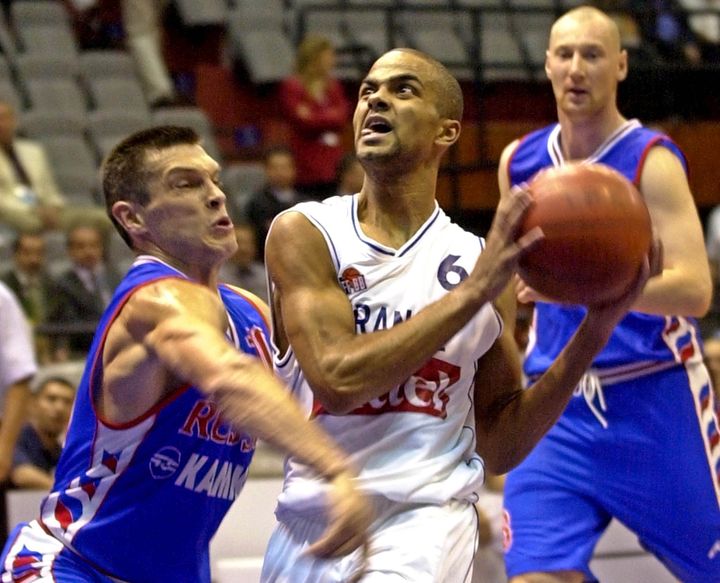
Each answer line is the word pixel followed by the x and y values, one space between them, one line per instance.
pixel 703 299
pixel 337 383
pixel 335 397
pixel 500 462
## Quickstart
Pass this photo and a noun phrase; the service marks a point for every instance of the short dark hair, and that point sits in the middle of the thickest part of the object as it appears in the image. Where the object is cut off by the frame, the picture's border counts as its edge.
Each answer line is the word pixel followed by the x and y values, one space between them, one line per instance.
pixel 124 171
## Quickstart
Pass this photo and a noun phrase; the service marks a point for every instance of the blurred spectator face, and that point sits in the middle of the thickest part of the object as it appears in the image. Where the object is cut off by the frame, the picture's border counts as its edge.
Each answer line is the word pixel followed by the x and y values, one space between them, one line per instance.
pixel 53 405
pixel 85 247
pixel 280 171
pixel 30 254
pixel 326 62
pixel 247 246
pixel 8 124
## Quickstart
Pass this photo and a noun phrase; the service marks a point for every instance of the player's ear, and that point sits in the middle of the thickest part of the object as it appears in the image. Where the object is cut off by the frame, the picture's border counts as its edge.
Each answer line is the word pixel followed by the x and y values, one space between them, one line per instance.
pixel 622 66
pixel 127 215
pixel 449 132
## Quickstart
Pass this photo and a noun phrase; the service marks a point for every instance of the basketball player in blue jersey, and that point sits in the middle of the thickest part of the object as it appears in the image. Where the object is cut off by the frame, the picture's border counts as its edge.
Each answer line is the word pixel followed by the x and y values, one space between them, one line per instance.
pixel 388 324
pixel 639 441
pixel 174 394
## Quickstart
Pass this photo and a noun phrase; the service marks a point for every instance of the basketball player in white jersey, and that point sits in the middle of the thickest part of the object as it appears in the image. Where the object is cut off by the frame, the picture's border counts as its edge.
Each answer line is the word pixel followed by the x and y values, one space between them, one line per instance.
pixel 391 325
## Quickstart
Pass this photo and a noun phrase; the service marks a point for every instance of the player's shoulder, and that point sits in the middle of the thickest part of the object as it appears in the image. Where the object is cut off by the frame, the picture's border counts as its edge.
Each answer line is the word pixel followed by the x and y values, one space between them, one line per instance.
pixel 328 215
pixel 171 296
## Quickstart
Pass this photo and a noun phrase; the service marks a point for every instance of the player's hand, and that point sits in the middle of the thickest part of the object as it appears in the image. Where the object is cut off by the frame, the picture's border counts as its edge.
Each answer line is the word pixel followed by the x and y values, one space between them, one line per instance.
pixel 526 294
pixel 349 516
pixel 503 248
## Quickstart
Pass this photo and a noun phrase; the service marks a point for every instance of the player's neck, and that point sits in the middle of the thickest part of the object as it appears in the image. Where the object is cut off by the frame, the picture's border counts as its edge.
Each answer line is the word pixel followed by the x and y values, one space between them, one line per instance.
pixel 391 212
pixel 580 138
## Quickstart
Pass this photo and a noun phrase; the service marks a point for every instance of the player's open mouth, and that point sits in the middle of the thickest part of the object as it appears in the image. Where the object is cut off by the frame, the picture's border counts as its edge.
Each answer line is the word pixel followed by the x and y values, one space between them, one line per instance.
pixel 376 125
pixel 223 223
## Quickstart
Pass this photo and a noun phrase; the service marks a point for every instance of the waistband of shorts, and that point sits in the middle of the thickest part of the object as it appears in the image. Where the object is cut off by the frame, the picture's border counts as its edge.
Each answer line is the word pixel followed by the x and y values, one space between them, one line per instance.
pixel 627 372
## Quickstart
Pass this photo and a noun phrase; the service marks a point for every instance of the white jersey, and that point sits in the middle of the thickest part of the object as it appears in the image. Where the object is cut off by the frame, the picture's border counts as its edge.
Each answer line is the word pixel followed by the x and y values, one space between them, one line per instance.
pixel 416 443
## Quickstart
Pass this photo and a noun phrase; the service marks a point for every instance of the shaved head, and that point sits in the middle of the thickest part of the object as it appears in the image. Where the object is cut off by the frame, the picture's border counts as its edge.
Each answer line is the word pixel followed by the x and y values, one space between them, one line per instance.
pixel 585 15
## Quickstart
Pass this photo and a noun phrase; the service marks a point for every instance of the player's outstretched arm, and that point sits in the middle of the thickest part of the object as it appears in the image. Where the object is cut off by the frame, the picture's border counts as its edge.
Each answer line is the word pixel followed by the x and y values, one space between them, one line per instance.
pixel 182 324
pixel 313 314
pixel 510 421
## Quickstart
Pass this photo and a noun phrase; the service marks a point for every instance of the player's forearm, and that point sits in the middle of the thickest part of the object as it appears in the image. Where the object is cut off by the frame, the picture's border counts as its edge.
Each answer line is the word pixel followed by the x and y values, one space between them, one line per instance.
pixel 528 416
pixel 30 477
pixel 686 291
pixel 364 366
pixel 249 395
pixel 14 415
pixel 14 412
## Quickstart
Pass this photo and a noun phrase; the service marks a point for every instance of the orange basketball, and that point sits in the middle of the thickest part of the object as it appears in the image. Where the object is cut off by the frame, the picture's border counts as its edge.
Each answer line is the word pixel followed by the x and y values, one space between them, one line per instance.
pixel 597 233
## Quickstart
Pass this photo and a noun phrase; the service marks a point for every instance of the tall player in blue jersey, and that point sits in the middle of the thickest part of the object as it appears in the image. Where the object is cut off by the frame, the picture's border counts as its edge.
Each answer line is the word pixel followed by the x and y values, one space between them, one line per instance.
pixel 173 395
pixel 640 440
pixel 389 325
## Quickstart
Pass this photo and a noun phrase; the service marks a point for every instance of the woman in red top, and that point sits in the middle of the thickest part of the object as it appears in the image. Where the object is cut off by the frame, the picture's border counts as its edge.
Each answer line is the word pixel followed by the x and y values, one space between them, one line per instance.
pixel 317 109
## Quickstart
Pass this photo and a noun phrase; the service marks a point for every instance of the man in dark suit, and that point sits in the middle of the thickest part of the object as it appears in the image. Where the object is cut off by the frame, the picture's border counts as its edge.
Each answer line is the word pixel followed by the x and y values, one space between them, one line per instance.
pixel 82 292
pixel 276 195
pixel 29 280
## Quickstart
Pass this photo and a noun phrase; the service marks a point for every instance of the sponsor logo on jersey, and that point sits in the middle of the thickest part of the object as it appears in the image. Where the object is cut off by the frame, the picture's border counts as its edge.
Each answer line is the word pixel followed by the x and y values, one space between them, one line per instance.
pixel 352 281
pixel 205 422
pixel 216 478
pixel 165 462
pixel 372 319
pixel 424 392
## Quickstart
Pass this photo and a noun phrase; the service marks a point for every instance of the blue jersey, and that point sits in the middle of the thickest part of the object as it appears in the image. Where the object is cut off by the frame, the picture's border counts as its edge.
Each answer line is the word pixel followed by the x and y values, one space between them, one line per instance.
pixel 641 343
pixel 140 500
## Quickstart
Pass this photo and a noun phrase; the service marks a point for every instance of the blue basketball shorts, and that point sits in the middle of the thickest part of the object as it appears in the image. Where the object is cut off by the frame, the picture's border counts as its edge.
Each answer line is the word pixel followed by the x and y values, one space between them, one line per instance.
pixel 645 451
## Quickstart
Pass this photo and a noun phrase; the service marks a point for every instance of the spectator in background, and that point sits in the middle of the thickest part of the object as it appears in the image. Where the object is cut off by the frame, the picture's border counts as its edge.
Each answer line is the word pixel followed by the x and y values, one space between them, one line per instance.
pixel 17 367
pixel 706 26
pixel 350 175
pixel 29 197
pixel 317 111
pixel 83 291
pixel 664 26
pixel 277 195
pixel 31 283
pixel 142 20
pixel 97 23
pixel 40 442
pixel 243 269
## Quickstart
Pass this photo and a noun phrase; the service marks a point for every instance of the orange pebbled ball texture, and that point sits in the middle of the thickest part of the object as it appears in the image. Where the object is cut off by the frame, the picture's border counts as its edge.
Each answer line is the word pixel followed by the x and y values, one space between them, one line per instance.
pixel 597 233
